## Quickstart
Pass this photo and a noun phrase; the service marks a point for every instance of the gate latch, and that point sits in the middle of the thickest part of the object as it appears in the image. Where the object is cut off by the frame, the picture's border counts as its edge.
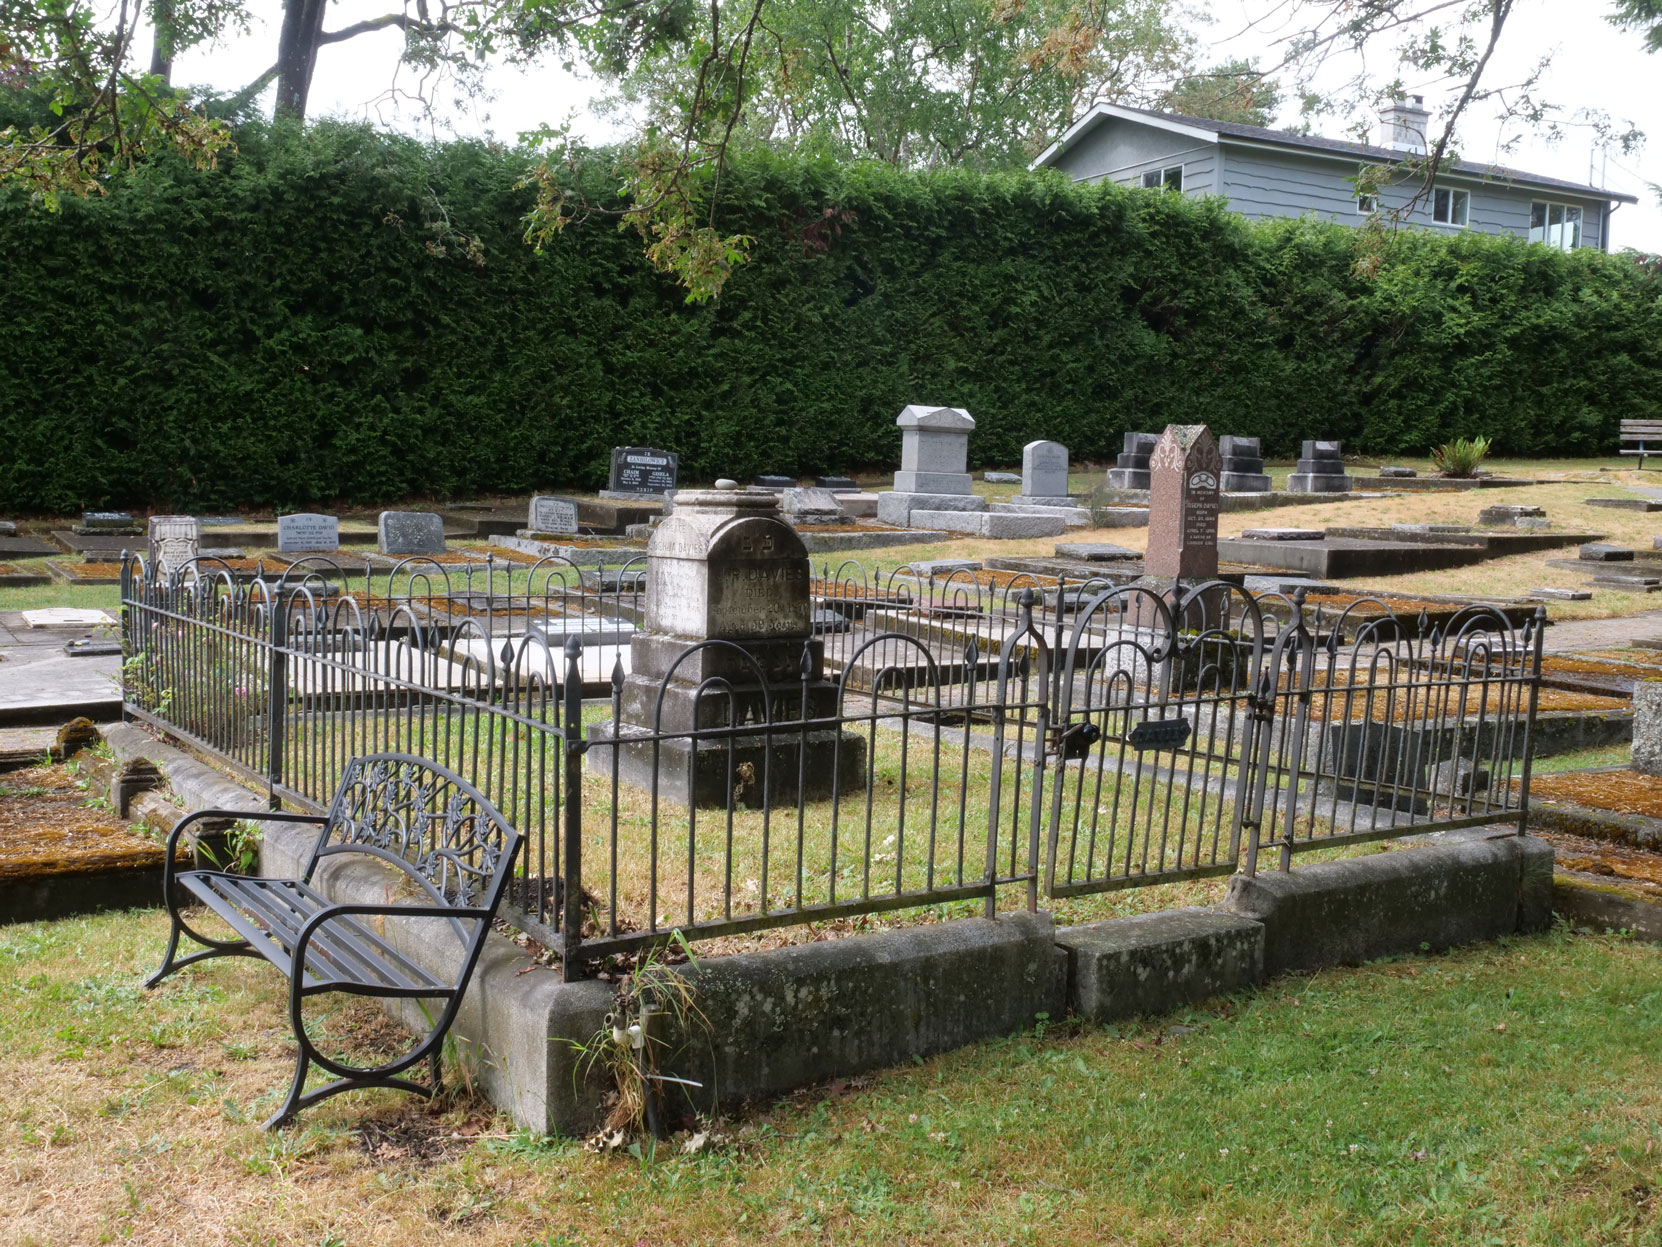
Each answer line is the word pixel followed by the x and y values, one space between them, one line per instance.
pixel 1075 740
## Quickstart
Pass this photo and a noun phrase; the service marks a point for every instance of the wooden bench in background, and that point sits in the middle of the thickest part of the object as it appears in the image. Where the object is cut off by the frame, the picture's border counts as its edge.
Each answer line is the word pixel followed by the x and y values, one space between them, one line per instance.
pixel 1645 436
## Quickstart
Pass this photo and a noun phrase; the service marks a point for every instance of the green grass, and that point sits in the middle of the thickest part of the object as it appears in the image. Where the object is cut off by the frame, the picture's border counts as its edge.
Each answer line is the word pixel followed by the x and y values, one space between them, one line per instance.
pixel 1584 759
pixel 1506 1094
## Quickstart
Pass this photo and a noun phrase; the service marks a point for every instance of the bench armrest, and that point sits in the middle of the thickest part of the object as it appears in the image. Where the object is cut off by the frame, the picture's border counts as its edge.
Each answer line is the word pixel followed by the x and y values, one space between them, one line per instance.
pixel 454 913
pixel 277 816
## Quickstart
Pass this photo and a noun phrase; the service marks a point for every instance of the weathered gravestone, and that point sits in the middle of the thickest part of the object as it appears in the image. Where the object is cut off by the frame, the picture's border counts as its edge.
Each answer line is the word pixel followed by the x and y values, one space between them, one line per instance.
pixel 1321 470
pixel 934 457
pixel 1044 475
pixel 1130 470
pixel 812 506
pixel 775 480
pixel 307 532
pixel 841 484
pixel 1243 466
pixel 1647 728
pixel 549 514
pixel 106 522
pixel 726 566
pixel 410 532
pixel 641 471
pixel 173 542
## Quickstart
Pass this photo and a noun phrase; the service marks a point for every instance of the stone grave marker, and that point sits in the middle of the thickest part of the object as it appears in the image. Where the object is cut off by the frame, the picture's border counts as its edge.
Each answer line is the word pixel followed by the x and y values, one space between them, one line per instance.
pixel 725 565
pixel 1243 466
pixel 106 522
pixel 7 528
pixel 641 470
pixel 1002 478
pixel 776 481
pixel 841 484
pixel 1321 470
pixel 1130 470
pixel 812 506
pixel 933 476
pixel 1397 472
pixel 1183 504
pixel 1044 475
pixel 1283 534
pixel 307 532
pixel 1647 728
pixel 1602 552
pixel 410 532
pixel 173 542
pixel 550 514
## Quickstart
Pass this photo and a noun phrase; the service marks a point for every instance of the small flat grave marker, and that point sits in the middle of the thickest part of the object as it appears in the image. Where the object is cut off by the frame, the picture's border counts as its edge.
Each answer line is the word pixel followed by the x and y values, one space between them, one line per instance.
pixel 1001 478
pixel 1561 595
pixel 845 484
pixel 1599 552
pixel 1283 534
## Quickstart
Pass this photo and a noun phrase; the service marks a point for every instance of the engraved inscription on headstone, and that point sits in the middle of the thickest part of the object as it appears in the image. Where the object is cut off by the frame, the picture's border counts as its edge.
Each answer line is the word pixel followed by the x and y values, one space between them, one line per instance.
pixel 307 532
pixel 173 541
pixel 410 532
pixel 1044 470
pixel 643 470
pixel 1183 504
pixel 549 514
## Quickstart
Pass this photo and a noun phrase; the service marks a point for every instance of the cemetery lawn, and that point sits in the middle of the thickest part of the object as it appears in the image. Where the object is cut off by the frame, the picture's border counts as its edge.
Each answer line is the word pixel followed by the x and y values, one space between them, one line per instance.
pixel 1506 1093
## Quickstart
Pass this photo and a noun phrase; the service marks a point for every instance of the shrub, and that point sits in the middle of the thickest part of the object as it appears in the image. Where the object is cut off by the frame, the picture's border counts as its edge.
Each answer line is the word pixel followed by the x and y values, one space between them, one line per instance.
pixel 1461 457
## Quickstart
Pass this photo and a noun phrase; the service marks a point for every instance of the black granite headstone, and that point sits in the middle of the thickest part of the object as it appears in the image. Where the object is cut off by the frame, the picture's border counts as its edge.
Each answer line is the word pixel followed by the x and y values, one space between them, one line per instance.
pixel 643 470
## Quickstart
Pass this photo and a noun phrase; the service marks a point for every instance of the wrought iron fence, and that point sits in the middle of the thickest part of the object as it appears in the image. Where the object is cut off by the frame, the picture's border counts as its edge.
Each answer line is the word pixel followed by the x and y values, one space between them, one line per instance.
pixel 987 737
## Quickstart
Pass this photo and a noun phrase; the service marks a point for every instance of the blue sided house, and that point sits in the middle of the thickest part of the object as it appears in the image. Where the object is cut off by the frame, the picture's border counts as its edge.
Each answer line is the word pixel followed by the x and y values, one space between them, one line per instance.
pixel 1280 173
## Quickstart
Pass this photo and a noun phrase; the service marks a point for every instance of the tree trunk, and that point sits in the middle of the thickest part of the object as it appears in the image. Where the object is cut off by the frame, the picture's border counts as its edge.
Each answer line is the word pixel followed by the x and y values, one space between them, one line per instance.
pixel 297 56
pixel 161 54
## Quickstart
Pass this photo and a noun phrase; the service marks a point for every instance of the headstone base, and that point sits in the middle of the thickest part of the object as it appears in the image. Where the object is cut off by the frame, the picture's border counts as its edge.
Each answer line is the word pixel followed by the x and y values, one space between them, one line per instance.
pixel 859 506
pixel 1028 500
pixel 932 482
pixel 1073 517
pixel 896 506
pixel 1243 483
pixel 1309 483
pixel 835 762
pixel 621 495
pixel 997 525
pixel 1128 478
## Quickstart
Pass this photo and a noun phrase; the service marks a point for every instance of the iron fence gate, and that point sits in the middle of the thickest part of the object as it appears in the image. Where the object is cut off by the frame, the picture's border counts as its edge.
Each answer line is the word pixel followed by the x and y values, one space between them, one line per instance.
pixel 973 740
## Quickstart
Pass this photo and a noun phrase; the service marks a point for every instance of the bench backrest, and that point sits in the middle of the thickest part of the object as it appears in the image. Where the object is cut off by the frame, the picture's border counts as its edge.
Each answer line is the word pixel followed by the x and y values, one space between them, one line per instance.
pixel 428 821
pixel 1642 430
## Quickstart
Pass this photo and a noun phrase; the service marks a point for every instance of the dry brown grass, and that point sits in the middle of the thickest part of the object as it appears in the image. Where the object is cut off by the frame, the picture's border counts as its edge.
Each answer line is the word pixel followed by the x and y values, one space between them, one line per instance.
pixel 1624 791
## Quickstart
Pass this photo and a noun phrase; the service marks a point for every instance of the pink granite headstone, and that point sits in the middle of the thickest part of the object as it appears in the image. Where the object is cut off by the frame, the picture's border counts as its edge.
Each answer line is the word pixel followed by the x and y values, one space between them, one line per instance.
pixel 1183 504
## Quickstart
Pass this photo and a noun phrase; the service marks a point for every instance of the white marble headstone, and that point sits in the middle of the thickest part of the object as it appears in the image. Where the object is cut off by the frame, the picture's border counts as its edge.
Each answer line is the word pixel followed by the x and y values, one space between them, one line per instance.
pixel 1044 470
pixel 173 541
pixel 307 531
pixel 552 515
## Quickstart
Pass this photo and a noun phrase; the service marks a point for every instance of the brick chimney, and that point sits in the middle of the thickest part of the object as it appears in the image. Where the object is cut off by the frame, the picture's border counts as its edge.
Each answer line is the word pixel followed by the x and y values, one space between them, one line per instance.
pixel 1403 124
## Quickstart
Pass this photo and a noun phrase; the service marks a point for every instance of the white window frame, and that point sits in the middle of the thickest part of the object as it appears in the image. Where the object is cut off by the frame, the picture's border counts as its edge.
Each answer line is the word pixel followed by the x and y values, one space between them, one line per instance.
pixel 1367 205
pixel 1556 234
pixel 1163 179
pixel 1457 219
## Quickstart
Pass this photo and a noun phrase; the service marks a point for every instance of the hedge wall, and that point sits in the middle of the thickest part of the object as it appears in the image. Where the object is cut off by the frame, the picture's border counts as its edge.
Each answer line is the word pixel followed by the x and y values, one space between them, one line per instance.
pixel 299 327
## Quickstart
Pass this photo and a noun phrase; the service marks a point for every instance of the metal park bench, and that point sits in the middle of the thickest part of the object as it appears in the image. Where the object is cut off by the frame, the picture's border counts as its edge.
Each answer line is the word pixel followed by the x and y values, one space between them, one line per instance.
pixel 1645 436
pixel 454 852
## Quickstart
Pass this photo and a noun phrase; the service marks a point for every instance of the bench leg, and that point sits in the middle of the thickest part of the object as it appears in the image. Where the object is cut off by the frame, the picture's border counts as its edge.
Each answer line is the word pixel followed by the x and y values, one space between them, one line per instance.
pixel 214 948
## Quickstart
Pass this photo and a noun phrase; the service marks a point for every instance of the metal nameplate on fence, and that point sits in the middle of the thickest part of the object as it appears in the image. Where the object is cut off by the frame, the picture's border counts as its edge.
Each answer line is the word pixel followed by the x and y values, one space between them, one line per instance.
pixel 1160 734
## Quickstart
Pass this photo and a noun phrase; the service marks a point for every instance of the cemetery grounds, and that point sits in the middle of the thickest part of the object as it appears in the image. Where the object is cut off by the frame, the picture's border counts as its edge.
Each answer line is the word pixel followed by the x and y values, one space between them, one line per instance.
pixel 1505 1093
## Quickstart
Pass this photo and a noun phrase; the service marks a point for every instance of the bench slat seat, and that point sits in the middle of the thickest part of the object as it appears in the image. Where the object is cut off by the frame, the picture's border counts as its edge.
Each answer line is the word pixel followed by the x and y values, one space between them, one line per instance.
pixel 344 955
pixel 449 848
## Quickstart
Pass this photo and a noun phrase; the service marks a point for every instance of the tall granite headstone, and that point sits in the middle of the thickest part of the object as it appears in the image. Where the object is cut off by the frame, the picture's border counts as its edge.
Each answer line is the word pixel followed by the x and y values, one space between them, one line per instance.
pixel 174 542
pixel 401 533
pixel 934 458
pixel 1183 504
pixel 724 565
pixel 1044 476
pixel 1321 470
pixel 1130 470
pixel 307 532
pixel 641 472
pixel 1243 466
pixel 548 514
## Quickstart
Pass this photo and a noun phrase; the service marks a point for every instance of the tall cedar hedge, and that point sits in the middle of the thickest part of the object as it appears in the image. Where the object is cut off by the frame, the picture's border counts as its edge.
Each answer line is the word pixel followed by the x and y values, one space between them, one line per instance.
pixel 302 325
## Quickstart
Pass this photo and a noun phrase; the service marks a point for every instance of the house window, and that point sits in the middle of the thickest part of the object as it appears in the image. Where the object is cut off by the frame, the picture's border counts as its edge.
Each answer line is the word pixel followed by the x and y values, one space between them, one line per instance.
pixel 1557 225
pixel 1450 207
pixel 1367 205
pixel 1170 178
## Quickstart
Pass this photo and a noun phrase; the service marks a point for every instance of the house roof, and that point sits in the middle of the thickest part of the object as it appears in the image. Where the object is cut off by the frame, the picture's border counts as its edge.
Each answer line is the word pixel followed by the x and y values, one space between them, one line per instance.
pixel 1226 131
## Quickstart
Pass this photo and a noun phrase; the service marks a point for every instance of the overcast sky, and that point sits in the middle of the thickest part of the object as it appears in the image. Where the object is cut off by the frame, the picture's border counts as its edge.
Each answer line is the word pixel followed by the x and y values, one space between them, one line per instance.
pixel 1594 66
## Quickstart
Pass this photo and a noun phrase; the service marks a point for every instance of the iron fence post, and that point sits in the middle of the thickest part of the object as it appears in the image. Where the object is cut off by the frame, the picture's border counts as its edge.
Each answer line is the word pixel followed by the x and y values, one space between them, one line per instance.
pixel 1540 622
pixel 571 910
pixel 277 698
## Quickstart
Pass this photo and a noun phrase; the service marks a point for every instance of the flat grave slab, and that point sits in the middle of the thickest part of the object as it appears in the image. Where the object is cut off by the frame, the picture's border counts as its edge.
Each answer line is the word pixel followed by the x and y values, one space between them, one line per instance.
pixel 1343 558
pixel 85 573
pixel 1598 552
pixel 1624 504
pixel 867 539
pixel 1002 478
pixel 25 548
pixel 1441 484
pixel 1094 551
pixel 1283 534
pixel 15 578
pixel 1561 595
pixel 584 552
